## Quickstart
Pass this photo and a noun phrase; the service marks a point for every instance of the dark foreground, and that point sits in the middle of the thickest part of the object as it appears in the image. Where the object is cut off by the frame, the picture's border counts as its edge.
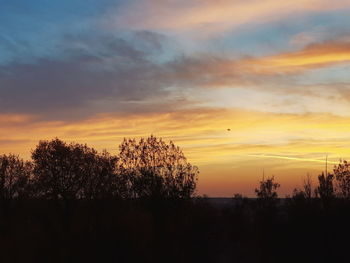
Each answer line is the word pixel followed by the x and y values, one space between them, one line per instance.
pixel 201 230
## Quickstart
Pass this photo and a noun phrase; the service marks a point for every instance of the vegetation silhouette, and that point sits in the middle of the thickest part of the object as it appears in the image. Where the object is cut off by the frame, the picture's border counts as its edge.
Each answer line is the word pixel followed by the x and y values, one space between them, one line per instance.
pixel 155 169
pixel 267 192
pixel 74 171
pixel 71 203
pixel 148 169
pixel 307 192
pixel 342 175
pixel 14 177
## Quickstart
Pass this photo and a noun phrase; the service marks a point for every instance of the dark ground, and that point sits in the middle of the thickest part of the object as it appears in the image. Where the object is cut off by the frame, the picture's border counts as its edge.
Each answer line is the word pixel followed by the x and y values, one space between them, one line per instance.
pixel 200 230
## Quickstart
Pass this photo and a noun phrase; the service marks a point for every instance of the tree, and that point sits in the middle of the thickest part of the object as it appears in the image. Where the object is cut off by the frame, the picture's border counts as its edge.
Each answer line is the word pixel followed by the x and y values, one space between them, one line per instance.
pixel 102 181
pixel 14 177
pixel 325 188
pixel 73 171
pixel 156 169
pixel 307 185
pixel 342 176
pixel 267 191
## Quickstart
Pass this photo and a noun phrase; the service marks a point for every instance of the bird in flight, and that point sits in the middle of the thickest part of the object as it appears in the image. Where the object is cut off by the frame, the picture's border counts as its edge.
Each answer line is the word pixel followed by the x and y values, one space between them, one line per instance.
pixel 228 129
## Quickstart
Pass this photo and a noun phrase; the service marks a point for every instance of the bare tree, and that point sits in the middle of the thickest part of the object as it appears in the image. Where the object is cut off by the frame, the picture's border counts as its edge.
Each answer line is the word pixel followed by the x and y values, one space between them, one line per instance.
pixel 307 185
pixel 342 176
pixel 156 169
pixel 14 177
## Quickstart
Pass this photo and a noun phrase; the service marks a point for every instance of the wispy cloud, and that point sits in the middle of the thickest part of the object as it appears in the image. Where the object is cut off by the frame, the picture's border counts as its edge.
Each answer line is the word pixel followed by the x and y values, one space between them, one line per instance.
pixel 201 129
pixel 98 74
pixel 313 56
pixel 301 159
pixel 114 76
pixel 208 17
pixel 216 70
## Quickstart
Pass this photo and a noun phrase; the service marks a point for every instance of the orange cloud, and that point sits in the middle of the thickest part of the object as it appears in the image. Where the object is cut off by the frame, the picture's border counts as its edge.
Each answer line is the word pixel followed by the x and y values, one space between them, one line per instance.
pixel 212 71
pixel 313 56
pixel 10 119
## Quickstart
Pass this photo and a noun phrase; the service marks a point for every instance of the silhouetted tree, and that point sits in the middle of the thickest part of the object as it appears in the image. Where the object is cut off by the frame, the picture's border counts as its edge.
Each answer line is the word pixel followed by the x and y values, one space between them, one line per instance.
pixel 156 169
pixel 307 185
pixel 102 179
pixel 14 177
pixel 267 191
pixel 342 176
pixel 325 189
pixel 73 171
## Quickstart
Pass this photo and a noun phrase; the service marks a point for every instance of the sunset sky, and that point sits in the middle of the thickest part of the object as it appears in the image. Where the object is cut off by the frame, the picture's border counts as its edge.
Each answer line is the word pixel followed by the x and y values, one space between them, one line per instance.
pixel 242 86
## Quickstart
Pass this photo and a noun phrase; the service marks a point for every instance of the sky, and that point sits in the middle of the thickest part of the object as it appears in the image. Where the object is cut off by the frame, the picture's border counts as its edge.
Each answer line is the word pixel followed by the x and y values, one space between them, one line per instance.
pixel 244 87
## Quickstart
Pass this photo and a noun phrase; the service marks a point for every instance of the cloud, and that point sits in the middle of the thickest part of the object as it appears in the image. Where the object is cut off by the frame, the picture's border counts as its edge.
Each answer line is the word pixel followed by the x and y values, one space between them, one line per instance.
pixel 96 74
pixel 217 71
pixel 211 17
pixel 313 56
pixel 108 74
pixel 202 132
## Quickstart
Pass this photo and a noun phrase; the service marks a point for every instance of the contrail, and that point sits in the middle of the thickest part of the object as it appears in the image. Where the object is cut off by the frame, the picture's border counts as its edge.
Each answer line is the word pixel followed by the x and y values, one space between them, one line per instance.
pixel 291 158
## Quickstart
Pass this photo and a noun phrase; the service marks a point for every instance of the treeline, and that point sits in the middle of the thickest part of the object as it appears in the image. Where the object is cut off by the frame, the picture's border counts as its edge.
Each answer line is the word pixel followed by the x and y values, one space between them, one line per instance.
pixel 147 169
pixel 330 186
pixel 70 203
